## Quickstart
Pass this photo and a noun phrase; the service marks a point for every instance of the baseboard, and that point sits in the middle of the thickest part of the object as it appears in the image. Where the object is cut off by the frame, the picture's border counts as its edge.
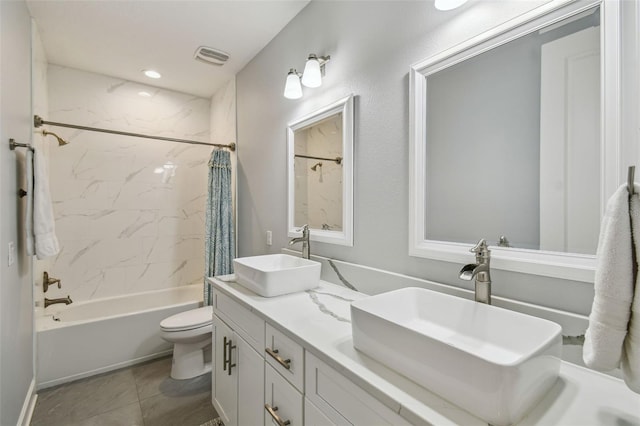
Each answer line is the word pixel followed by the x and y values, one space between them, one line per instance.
pixel 112 367
pixel 28 406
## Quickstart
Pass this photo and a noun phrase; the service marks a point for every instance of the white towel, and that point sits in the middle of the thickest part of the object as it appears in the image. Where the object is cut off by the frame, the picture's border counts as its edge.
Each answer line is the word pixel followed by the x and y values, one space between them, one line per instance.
pixel 613 287
pixel 631 352
pixel 40 224
pixel 28 222
pixel 613 336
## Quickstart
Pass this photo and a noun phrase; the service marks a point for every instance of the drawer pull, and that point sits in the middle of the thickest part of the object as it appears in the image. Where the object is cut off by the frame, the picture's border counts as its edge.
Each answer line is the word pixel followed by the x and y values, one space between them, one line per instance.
pixel 272 411
pixel 286 363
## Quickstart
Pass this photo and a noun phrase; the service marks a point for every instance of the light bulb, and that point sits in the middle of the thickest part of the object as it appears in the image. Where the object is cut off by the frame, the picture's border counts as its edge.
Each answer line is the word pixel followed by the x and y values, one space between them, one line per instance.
pixel 312 77
pixel 152 73
pixel 292 88
pixel 448 4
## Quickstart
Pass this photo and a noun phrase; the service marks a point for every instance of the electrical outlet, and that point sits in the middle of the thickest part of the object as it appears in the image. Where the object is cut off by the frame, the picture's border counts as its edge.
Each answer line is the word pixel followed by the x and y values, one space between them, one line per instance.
pixel 269 238
pixel 12 253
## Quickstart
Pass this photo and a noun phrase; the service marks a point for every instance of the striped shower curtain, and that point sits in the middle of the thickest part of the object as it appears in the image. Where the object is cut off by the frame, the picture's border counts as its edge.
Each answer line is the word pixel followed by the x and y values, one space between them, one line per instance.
pixel 219 238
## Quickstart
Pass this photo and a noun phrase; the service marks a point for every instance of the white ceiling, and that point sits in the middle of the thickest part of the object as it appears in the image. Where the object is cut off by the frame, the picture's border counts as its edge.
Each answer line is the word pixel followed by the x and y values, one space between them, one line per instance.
pixel 122 37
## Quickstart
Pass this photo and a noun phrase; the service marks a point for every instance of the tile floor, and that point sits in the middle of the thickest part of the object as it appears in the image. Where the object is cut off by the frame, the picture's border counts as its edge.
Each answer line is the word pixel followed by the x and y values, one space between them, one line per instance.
pixel 142 395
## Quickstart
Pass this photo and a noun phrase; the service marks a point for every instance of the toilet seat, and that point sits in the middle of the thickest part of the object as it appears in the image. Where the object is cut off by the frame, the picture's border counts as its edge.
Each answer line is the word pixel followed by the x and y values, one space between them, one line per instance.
pixel 188 320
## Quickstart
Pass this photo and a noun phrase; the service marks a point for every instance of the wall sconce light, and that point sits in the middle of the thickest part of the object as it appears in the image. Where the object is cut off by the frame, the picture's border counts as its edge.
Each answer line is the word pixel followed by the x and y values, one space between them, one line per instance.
pixel 314 70
pixel 311 77
pixel 293 88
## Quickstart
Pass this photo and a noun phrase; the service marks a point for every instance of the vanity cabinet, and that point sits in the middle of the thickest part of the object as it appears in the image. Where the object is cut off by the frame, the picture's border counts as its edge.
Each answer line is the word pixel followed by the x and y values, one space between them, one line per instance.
pixel 237 380
pixel 262 375
pixel 340 401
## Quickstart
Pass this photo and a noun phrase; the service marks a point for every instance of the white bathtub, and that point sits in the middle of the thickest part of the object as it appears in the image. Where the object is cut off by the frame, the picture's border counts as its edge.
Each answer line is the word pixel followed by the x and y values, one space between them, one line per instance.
pixel 87 338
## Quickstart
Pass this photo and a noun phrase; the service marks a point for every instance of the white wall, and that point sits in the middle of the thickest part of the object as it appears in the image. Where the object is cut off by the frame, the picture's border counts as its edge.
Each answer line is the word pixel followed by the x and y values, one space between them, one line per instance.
pixel 122 227
pixel 16 297
pixel 372 45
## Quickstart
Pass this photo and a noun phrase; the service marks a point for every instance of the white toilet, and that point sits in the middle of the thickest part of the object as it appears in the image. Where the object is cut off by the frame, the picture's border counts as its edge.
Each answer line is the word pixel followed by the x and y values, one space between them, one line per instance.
pixel 190 332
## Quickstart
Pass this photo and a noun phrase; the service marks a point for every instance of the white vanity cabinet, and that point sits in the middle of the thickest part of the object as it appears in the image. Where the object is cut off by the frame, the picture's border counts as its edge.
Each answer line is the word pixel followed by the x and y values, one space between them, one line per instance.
pixel 262 374
pixel 238 368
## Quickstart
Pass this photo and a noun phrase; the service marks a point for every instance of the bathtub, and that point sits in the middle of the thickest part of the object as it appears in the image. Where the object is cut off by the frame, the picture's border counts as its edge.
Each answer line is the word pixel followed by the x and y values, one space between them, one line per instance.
pixel 92 337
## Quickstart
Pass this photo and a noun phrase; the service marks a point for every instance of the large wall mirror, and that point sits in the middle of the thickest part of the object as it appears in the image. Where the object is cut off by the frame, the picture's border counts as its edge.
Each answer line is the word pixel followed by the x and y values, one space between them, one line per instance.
pixel 512 142
pixel 320 173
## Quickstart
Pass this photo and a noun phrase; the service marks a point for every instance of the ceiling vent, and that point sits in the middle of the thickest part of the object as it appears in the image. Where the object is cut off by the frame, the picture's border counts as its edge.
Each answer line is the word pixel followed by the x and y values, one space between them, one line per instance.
pixel 211 56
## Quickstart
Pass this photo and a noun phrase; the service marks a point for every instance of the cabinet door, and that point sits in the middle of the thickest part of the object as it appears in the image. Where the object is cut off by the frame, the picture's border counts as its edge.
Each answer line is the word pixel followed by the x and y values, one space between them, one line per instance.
pixel 250 384
pixel 224 385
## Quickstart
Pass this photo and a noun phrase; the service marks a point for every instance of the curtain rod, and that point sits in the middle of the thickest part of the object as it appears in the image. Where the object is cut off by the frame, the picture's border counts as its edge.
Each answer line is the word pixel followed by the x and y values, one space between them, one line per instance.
pixel 38 121
pixel 338 160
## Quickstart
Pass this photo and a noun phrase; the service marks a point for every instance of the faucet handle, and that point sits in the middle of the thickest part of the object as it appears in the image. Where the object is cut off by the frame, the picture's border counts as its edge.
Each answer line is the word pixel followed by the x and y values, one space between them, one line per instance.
pixel 304 230
pixel 481 249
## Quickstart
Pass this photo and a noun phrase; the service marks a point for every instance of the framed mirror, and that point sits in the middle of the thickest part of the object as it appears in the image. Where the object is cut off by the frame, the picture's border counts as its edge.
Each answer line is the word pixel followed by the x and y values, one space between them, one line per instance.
pixel 514 139
pixel 320 174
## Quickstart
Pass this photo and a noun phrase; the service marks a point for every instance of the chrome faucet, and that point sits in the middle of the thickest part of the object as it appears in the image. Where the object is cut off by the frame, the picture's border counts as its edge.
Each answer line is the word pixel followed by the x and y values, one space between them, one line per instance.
pixel 479 271
pixel 306 246
pixel 65 300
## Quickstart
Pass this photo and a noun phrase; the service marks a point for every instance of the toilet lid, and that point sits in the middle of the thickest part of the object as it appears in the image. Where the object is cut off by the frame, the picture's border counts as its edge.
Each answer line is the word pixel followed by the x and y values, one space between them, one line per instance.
pixel 188 320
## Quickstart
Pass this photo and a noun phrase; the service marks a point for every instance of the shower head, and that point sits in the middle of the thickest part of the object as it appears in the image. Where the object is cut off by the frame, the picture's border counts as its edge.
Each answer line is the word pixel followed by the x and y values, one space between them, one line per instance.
pixel 315 166
pixel 61 141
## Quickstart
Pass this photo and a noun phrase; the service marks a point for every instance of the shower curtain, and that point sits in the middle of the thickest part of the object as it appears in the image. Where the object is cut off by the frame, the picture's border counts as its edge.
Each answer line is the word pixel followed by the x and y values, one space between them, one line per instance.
pixel 219 238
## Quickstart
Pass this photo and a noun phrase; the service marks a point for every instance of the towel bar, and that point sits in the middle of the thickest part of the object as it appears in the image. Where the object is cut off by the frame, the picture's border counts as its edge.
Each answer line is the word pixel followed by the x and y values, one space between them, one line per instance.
pixel 13 145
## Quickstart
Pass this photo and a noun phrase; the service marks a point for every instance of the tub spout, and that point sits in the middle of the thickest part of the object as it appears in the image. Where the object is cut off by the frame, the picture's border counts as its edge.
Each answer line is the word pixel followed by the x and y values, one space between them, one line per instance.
pixel 65 300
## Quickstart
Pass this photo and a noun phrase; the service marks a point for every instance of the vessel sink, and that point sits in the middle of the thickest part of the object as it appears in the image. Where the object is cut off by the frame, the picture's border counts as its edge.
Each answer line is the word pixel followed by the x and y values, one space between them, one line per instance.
pixel 276 274
pixel 492 362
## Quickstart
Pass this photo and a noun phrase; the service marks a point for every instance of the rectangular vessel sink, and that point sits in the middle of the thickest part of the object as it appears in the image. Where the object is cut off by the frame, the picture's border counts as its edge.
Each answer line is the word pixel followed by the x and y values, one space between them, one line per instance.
pixel 494 363
pixel 276 274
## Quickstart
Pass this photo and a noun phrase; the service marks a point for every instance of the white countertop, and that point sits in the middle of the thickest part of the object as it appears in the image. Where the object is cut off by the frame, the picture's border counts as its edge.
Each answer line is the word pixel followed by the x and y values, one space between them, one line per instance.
pixel 320 320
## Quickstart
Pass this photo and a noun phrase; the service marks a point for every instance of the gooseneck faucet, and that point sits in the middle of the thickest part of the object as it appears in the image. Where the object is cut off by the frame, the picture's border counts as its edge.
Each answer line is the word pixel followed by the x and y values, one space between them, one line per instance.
pixel 479 271
pixel 306 246
pixel 65 300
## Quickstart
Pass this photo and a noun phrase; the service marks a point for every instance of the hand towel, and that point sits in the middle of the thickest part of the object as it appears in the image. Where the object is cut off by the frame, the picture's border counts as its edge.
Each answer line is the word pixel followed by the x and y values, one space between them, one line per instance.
pixel 613 286
pixel 28 222
pixel 41 239
pixel 631 351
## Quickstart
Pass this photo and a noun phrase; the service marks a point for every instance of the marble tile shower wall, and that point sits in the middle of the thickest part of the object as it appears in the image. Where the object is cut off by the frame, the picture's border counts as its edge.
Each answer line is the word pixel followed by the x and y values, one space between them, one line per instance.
pixel 319 190
pixel 129 211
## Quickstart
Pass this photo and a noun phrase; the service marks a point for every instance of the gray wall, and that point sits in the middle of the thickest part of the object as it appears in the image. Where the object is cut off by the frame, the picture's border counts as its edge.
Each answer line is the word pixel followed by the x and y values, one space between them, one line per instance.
pixel 16 305
pixel 483 139
pixel 483 147
pixel 372 45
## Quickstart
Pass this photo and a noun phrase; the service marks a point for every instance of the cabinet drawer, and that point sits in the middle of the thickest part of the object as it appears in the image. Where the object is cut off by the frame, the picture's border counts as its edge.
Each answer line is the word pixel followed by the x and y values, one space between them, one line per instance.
pixel 336 396
pixel 244 322
pixel 281 399
pixel 314 417
pixel 285 355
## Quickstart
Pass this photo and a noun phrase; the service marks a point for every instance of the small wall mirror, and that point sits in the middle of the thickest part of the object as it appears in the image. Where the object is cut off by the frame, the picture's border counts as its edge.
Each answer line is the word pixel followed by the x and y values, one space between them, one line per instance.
pixel 509 135
pixel 320 173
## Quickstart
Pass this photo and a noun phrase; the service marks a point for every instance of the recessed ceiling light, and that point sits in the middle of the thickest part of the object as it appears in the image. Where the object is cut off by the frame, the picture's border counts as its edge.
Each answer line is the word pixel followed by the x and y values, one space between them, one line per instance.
pixel 144 94
pixel 152 74
pixel 448 4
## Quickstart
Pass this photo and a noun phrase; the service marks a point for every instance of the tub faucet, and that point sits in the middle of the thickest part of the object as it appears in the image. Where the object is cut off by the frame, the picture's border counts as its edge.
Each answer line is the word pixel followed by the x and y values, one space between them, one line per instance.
pixel 306 247
pixel 479 271
pixel 65 300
